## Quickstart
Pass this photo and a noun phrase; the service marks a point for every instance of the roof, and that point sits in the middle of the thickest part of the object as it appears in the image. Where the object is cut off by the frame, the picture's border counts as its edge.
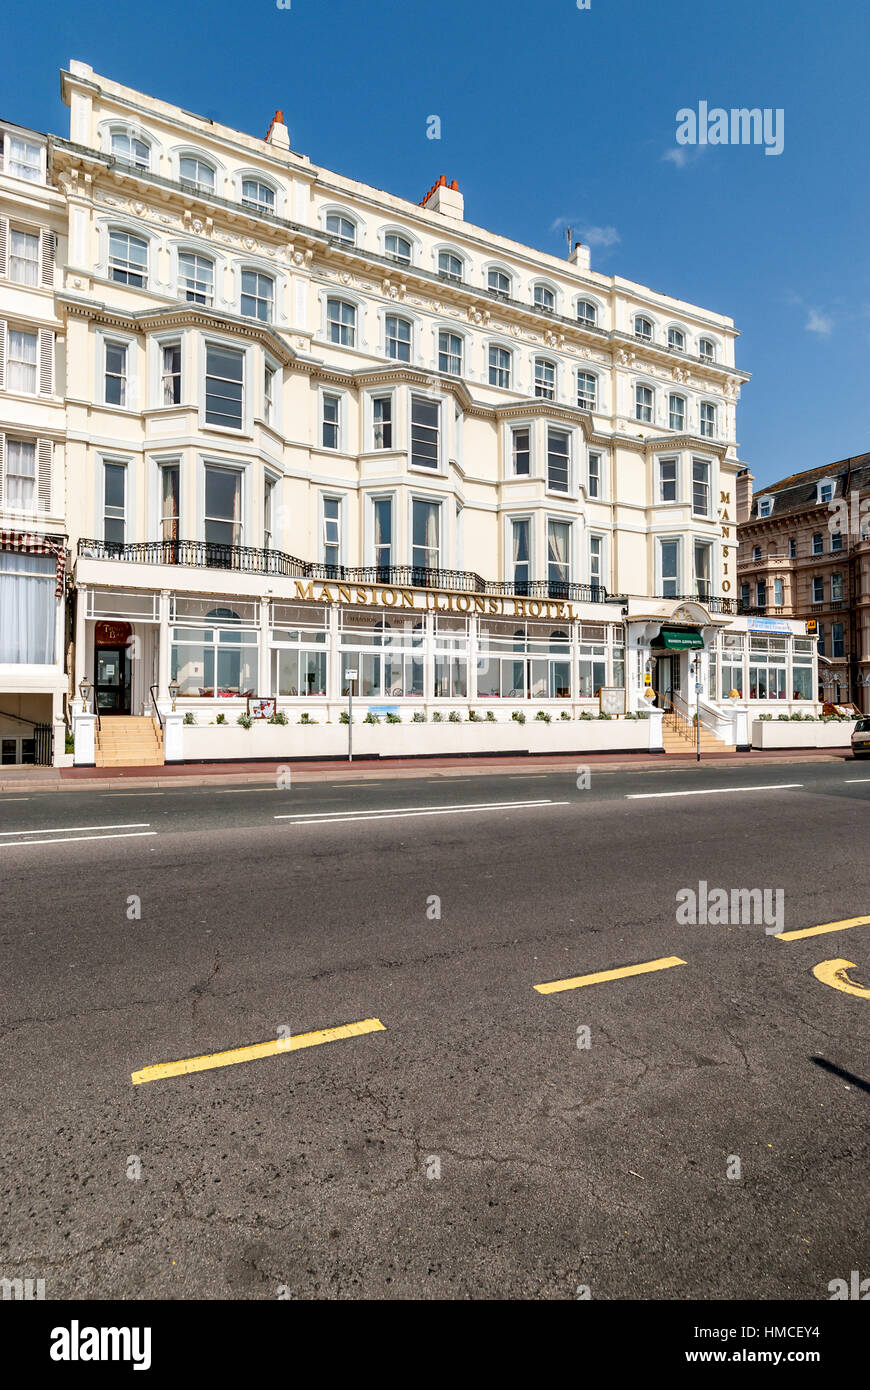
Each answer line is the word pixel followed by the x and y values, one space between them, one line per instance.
pixel 799 491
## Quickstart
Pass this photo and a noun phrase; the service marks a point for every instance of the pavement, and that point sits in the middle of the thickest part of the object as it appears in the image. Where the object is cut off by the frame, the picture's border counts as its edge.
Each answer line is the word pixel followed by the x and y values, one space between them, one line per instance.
pixel 697 1130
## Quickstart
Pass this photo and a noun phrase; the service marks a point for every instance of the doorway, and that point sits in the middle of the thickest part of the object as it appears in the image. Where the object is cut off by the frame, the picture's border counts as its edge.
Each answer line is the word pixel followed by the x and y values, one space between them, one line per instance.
pixel 112 680
pixel 667 680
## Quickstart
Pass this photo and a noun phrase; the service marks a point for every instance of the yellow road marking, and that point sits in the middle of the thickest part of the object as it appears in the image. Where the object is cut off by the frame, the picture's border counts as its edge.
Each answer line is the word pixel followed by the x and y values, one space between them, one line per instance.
pixel 833 973
pixel 250 1054
pixel 825 927
pixel 645 968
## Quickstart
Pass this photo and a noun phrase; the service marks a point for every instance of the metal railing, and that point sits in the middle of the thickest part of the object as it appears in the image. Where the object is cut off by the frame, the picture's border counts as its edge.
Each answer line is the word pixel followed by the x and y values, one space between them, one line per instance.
pixel 251 560
pixel 716 603
pixel 155 708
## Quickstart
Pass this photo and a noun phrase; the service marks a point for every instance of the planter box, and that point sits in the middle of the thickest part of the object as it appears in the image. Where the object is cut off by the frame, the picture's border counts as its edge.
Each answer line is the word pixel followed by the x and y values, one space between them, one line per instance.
pixel 776 733
pixel 214 743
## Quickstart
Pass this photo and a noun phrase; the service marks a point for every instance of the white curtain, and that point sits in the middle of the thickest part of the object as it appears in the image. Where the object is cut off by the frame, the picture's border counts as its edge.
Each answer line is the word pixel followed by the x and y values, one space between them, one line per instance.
pixel 558 550
pixel 27 608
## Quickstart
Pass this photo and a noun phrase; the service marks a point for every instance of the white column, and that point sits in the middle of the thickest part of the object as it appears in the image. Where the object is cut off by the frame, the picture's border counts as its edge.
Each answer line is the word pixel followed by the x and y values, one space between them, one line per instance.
pixel 80 637
pixel 263 672
pixel 163 655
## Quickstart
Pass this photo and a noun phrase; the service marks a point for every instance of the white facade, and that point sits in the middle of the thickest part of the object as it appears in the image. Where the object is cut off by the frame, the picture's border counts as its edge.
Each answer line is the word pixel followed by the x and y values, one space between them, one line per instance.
pixel 312 426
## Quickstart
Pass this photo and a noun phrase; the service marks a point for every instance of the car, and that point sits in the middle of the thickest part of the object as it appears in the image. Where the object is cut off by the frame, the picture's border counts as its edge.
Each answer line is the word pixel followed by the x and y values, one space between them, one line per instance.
pixel 861 738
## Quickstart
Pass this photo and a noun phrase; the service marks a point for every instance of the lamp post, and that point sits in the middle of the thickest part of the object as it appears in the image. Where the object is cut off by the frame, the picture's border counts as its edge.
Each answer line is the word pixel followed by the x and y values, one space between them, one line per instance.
pixel 85 689
pixel 350 676
pixel 174 688
pixel 696 667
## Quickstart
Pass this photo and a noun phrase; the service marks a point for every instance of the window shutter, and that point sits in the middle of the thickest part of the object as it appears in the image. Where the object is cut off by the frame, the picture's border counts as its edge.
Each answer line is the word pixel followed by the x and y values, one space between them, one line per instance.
pixel 2 353
pixel 46 362
pixel 4 241
pixel 2 466
pixel 44 452
pixel 47 261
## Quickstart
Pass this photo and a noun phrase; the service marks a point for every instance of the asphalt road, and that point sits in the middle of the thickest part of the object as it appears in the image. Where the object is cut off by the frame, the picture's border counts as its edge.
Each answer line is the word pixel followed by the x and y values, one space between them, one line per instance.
pixel 470 1148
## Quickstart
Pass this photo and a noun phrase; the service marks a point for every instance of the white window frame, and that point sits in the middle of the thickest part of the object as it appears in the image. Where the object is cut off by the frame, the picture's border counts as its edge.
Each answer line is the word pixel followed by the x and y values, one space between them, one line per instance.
pixel 401 234
pixel 412 340
pixel 446 275
pixel 583 321
pixel 707 420
pixel 322 520
pixel 641 406
pixel 269 300
pixel 674 331
pixel 641 334
pixel 207 161
pixel 509 370
pixel 660 577
pixel 548 289
pixel 499 270
pixel 22 138
pixel 254 176
pixel 450 332
pixel 208 301
pixel 206 341
pixel 545 388
pixel 329 324
pixel 329 394
pixel 674 414
pixel 661 482
pixel 345 215
pixel 597 475
pixel 585 404
pixel 375 394
pixel 569 489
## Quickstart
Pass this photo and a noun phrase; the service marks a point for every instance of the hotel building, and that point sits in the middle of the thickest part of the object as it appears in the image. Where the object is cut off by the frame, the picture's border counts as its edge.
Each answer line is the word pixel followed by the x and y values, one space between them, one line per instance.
pixel 804 552
pixel 313 427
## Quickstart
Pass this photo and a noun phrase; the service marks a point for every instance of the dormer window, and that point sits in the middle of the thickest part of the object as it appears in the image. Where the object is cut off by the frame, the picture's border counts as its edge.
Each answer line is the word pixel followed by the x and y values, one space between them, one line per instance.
pixel 586 312
pixel 195 173
pixel 132 149
pixel 676 339
pixel 449 266
pixel 643 329
pixel 397 248
pixel 826 491
pixel 544 298
pixel 499 282
pixel 341 228
pixel 706 350
pixel 258 195
pixel 765 506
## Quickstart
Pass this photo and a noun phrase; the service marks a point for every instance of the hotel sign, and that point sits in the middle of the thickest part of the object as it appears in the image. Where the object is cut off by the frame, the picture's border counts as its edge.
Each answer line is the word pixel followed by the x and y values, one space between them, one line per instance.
pixel 434 600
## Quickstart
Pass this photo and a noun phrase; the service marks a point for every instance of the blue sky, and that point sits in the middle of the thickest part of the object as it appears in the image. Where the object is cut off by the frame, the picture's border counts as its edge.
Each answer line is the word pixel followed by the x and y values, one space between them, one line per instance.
pixel 552 114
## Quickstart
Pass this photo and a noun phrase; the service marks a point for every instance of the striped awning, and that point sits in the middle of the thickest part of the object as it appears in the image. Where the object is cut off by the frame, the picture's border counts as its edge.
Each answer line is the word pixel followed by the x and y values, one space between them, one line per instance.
pixel 27 543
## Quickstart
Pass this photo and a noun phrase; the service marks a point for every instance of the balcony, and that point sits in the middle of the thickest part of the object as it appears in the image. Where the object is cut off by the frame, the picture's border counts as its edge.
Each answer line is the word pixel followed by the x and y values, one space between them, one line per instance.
pixel 715 603
pixel 246 559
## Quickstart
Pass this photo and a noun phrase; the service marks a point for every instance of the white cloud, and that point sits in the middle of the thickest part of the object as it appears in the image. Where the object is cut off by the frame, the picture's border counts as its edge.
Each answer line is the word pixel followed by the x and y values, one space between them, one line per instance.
pixel 819 323
pixel 600 236
pixel 679 156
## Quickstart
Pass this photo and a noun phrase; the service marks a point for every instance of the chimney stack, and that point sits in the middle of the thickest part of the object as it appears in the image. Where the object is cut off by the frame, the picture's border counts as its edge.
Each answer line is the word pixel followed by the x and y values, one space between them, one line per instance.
pixel 579 256
pixel 446 199
pixel 278 134
pixel 743 495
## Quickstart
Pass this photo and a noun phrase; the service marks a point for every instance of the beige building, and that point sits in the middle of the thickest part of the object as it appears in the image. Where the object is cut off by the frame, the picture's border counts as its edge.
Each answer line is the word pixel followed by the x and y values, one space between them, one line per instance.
pixel 805 553
pixel 314 427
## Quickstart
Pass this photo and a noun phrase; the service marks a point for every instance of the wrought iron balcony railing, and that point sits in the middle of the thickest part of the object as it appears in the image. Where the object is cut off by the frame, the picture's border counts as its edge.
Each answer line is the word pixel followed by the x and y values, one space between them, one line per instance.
pixel 252 560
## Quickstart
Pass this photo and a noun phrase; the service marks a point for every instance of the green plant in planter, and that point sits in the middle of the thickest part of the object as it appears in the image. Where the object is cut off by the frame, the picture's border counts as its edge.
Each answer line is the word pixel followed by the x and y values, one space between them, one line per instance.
pixel 564 714
pixel 586 714
pixel 518 716
pixel 245 720
pixel 279 717
pixel 544 716
pixel 784 718
pixel 602 714
pixel 371 718
pixel 490 717
pixel 221 719
pixel 344 717
pixel 642 714
pixel 190 717
pixel 437 717
pixel 765 718
pixel 418 717
pixel 454 717
pixel 305 718
pixel 630 714
pixel 473 716
pixel 393 718
pixel 69 744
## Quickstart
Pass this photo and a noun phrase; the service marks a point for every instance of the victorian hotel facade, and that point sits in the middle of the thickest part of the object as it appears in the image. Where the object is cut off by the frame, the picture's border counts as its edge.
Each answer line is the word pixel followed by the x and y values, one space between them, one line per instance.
pixel 282 425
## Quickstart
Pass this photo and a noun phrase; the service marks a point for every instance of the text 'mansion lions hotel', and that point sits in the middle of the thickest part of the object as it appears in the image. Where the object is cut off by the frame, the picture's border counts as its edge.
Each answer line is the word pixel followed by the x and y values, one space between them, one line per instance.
pixel 261 424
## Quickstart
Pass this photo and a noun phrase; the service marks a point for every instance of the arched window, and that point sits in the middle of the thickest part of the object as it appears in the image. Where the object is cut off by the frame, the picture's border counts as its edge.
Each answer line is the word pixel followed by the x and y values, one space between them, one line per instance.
pixel 341 322
pixel 587 390
pixel 449 266
pixel 258 295
pixel 586 312
pixel 544 298
pixel 499 282
pixel 194 172
pixel 677 339
pixel 132 149
pixel 643 328
pixel 342 228
pixel 128 259
pixel 545 378
pixel 256 194
pixel 195 278
pixel 706 350
pixel 397 248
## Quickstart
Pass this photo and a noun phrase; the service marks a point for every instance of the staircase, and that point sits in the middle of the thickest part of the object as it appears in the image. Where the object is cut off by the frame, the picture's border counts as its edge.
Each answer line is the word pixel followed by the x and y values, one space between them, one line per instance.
pixel 125 740
pixel 678 736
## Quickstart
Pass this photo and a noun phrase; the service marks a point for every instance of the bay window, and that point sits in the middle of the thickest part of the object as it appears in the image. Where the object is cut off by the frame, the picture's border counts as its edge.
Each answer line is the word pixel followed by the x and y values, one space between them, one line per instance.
pixel 169 501
pixel 332 531
pixel 223 506
pixel 700 487
pixel 215 658
pixel 558 460
pixel 558 557
pixel 767 668
pixel 703 569
pixel 224 386
pixel 170 375
pixel 425 535
pixel 802 669
pixel 382 422
pixel 669 567
pixel 425 432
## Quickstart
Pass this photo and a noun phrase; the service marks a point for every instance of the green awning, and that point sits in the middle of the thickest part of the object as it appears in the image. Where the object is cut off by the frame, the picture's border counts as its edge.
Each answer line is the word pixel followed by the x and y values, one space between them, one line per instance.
pixel 679 639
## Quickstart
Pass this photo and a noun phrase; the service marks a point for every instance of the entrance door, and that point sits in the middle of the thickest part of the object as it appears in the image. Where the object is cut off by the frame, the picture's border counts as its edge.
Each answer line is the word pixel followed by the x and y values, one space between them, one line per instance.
pixel 112 680
pixel 667 680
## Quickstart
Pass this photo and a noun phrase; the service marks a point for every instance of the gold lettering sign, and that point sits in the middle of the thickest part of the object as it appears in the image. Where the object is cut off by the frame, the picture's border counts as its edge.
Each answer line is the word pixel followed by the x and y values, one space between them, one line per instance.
pixel 435 600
